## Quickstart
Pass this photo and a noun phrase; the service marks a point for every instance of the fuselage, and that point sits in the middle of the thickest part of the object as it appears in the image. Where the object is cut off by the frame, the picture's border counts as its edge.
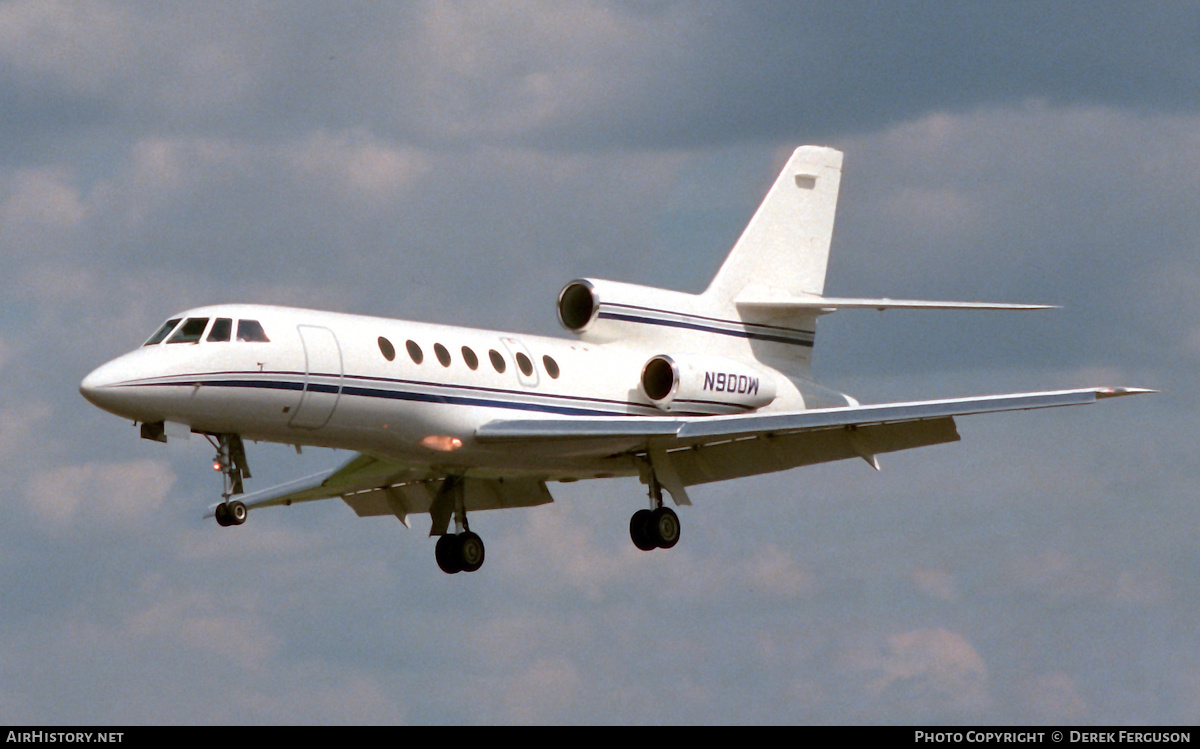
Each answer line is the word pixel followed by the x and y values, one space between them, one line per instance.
pixel 407 391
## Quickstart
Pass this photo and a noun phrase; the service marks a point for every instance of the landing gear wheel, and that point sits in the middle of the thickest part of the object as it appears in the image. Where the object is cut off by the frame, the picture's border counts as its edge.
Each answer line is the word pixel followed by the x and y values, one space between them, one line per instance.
pixel 446 553
pixel 639 530
pixel 470 551
pixel 222 515
pixel 663 527
pixel 236 512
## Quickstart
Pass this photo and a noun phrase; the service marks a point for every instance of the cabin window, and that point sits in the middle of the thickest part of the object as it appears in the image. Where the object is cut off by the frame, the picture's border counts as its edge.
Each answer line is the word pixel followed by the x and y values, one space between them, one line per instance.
pixel 222 329
pixel 497 360
pixel 251 331
pixel 442 354
pixel 470 358
pixel 415 352
pixel 524 364
pixel 190 331
pixel 551 367
pixel 163 331
pixel 387 349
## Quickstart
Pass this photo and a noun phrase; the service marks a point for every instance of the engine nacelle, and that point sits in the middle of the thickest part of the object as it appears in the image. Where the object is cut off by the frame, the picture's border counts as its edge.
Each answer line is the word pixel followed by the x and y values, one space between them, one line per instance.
pixel 578 305
pixel 708 384
pixel 600 311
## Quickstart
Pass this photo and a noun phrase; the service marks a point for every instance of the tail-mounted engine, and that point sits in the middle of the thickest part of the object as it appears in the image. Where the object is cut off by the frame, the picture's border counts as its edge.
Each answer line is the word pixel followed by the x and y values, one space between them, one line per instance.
pixel 600 311
pixel 709 384
pixel 578 305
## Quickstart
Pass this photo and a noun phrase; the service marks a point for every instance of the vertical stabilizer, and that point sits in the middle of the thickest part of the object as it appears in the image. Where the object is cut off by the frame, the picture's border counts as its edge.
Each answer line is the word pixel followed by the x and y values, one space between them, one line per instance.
pixel 784 250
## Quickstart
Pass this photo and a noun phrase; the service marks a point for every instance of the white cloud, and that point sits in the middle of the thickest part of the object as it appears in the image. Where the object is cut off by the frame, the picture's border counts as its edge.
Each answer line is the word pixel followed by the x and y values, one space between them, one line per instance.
pixel 926 671
pixel 566 554
pixel 776 573
pixel 505 69
pixel 44 196
pixel 105 493
pixel 358 162
pixel 228 625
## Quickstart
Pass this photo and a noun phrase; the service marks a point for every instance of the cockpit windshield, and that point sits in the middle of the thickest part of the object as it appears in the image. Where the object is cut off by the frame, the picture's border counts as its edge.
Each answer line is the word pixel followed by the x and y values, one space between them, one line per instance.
pixel 251 330
pixel 190 331
pixel 220 330
pixel 163 331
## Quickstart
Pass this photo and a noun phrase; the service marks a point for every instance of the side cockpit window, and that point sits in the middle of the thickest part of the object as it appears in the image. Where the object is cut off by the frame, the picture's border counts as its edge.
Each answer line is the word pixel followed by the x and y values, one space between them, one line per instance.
pixel 251 330
pixel 190 331
pixel 221 330
pixel 163 331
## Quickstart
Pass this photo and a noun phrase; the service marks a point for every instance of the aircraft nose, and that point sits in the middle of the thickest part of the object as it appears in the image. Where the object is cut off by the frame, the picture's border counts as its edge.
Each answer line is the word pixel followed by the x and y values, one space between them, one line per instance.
pixel 92 387
pixel 102 387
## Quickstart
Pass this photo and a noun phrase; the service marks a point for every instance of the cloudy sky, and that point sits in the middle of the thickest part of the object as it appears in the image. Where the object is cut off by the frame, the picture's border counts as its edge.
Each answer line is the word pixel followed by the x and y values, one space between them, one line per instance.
pixel 459 162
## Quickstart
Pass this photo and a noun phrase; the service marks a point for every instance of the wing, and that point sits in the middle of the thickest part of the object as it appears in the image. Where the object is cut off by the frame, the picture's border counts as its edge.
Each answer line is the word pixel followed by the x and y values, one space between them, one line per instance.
pixel 374 486
pixel 694 450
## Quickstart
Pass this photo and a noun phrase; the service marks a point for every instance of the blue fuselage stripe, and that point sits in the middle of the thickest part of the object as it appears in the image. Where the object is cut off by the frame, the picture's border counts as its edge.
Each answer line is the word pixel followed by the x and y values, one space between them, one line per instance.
pixel 476 399
pixel 705 328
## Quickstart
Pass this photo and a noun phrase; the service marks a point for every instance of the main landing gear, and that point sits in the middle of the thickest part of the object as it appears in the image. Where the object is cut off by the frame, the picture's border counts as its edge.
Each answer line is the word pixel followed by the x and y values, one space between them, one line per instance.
pixel 461 551
pixel 230 460
pixel 656 528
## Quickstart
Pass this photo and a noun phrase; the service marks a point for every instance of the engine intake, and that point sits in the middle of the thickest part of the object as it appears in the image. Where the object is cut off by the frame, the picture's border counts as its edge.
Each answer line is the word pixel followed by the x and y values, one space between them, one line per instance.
pixel 710 384
pixel 578 304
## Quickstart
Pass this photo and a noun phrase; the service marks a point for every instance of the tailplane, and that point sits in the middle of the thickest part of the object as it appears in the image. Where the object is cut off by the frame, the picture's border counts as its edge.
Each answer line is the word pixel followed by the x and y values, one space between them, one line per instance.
pixel 764 302
pixel 781 255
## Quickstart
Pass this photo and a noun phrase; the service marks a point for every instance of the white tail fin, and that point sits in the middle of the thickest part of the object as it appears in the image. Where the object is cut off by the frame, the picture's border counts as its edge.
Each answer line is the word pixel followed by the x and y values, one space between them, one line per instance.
pixel 780 257
pixel 784 250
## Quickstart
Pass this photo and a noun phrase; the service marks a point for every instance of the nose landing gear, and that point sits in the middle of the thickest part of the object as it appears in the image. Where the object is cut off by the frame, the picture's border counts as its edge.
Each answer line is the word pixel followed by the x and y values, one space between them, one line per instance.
pixel 230 460
pixel 230 513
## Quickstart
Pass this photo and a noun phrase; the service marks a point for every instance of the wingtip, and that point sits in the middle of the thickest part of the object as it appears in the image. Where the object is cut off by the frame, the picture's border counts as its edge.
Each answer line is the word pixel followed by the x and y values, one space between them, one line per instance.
pixel 1118 392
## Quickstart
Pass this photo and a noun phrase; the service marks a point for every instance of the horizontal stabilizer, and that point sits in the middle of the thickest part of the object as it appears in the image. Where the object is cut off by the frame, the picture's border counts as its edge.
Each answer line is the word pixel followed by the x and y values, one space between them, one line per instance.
pixel 820 305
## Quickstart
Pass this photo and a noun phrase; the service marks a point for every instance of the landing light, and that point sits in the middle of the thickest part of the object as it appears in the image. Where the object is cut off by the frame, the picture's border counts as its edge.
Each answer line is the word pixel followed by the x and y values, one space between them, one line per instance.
pixel 441 443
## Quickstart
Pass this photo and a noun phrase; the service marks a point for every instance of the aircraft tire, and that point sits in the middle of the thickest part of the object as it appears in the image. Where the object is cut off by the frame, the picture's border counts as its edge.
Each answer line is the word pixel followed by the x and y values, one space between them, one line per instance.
pixel 470 552
pixel 446 553
pixel 222 515
pixel 236 512
pixel 639 530
pixel 663 527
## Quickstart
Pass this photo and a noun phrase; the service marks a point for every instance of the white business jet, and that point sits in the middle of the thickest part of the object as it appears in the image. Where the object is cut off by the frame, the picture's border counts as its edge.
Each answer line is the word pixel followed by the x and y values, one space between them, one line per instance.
pixel 677 389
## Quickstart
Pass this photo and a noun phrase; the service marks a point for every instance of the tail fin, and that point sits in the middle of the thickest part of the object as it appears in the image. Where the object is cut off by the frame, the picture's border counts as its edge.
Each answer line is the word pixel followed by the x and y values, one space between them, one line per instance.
pixel 750 310
pixel 784 250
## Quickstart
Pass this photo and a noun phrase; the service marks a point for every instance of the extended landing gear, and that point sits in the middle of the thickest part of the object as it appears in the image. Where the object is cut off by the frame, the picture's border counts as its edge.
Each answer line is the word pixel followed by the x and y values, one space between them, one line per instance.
pixel 657 528
pixel 230 460
pixel 230 513
pixel 654 529
pixel 461 551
